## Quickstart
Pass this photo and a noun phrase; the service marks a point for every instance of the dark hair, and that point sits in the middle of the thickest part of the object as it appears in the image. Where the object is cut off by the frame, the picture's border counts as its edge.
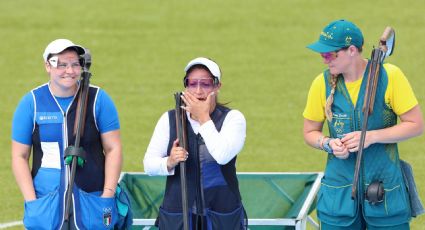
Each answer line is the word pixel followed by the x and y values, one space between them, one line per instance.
pixel 198 66
pixel 67 49
pixel 360 49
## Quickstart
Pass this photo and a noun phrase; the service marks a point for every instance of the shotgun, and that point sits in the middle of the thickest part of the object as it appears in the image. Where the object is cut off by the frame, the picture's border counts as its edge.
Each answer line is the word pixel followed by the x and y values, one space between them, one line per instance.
pixel 75 154
pixel 384 49
pixel 181 129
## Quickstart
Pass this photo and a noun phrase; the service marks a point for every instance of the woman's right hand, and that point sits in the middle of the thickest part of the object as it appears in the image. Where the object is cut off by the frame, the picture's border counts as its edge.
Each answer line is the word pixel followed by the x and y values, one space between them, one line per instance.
pixel 339 149
pixel 177 155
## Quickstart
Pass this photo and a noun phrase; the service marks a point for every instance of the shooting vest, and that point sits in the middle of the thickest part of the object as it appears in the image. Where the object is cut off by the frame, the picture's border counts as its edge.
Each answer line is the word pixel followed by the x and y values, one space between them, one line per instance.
pixel 53 132
pixel 380 162
pixel 210 186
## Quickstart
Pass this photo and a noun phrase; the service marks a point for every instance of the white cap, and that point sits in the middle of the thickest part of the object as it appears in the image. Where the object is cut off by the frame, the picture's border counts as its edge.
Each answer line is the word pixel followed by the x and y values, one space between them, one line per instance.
pixel 60 45
pixel 211 65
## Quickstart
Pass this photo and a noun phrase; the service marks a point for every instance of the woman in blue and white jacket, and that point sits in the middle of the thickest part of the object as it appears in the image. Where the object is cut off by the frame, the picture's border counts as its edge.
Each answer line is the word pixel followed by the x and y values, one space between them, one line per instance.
pixel 44 121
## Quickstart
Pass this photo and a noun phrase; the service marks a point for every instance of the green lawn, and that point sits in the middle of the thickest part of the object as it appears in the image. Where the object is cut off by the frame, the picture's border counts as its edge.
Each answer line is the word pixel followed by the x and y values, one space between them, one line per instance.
pixel 141 47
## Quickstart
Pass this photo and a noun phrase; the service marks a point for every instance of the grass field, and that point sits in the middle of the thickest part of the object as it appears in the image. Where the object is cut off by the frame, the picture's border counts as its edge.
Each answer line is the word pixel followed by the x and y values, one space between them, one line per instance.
pixel 141 47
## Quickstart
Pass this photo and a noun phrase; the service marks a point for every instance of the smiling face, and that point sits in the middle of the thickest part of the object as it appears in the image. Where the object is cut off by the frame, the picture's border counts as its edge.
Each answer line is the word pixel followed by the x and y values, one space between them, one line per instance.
pixel 200 83
pixel 65 75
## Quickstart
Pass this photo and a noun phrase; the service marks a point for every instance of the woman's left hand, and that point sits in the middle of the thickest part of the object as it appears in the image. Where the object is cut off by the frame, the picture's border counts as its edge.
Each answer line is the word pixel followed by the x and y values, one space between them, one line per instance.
pixel 352 141
pixel 199 109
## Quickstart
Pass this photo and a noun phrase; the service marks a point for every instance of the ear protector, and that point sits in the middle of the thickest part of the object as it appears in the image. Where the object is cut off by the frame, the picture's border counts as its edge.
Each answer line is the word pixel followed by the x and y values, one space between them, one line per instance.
pixel 215 81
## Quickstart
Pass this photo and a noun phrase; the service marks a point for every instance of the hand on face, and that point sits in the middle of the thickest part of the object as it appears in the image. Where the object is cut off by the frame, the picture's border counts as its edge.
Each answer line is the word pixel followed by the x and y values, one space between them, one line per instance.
pixel 199 109
pixel 177 155
pixel 200 94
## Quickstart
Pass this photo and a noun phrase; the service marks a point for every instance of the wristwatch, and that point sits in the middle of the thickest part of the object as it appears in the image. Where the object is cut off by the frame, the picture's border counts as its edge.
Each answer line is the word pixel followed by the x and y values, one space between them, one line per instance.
pixel 327 147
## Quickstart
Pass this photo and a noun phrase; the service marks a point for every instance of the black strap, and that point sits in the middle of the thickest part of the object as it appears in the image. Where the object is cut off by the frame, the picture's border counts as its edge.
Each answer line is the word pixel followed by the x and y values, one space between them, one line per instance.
pixel 72 151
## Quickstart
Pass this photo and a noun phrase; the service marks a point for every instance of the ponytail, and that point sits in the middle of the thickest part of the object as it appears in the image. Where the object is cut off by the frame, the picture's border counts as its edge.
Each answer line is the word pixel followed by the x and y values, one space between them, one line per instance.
pixel 330 99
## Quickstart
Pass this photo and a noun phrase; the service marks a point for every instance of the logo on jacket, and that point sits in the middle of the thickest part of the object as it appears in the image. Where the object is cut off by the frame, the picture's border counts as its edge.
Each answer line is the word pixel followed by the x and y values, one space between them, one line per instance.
pixel 48 117
pixel 107 216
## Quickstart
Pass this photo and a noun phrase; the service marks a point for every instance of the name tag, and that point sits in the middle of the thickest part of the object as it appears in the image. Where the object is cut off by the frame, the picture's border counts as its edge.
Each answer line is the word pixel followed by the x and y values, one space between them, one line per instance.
pixel 49 117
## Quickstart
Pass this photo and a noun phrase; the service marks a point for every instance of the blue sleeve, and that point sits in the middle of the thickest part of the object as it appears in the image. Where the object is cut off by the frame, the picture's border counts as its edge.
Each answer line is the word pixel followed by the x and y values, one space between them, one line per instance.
pixel 23 120
pixel 106 113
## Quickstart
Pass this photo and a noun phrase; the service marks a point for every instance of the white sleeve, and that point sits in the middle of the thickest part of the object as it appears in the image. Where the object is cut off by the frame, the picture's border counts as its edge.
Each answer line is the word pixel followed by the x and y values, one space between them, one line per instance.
pixel 155 160
pixel 226 144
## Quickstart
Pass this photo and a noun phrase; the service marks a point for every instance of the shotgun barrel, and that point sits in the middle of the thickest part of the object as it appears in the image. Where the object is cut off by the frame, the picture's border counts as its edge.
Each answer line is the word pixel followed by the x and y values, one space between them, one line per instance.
pixel 182 136
pixel 385 48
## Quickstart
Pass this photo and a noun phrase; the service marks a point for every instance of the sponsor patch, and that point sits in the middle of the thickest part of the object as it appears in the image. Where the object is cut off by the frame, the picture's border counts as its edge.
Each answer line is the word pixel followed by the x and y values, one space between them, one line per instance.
pixel 49 117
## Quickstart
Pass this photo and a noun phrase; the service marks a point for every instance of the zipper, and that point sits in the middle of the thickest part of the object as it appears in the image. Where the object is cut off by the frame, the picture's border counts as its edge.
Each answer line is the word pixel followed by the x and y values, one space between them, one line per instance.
pixel 66 168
